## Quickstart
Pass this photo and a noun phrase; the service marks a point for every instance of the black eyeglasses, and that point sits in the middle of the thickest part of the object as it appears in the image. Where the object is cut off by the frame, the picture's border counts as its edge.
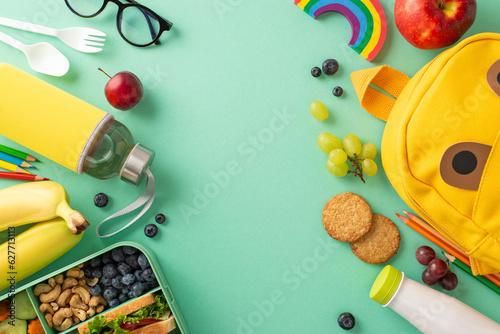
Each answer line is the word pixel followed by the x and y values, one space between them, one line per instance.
pixel 137 24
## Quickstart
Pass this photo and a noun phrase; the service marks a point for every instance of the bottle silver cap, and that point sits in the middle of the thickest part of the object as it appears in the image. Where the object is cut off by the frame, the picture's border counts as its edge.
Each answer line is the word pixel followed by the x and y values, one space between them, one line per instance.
pixel 138 161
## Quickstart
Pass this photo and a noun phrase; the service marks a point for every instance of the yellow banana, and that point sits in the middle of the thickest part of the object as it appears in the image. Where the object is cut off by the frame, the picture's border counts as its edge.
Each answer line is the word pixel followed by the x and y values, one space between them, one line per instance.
pixel 32 250
pixel 33 202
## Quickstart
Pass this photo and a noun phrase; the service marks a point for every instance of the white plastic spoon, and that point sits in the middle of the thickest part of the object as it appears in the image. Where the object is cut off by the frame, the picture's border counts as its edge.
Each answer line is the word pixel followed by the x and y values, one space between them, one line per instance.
pixel 42 57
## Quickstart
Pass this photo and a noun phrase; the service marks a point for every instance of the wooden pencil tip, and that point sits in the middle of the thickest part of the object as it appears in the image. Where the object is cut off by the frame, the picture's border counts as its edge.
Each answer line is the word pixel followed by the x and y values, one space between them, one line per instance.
pixel 449 256
pixel 403 218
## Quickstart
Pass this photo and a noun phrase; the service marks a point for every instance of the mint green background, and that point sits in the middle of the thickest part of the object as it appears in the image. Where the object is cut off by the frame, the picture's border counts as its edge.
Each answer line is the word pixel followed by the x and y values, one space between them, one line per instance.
pixel 253 258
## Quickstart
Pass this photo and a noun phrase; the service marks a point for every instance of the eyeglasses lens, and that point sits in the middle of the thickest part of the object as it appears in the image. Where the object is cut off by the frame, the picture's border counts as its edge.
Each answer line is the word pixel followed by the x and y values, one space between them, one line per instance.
pixel 138 25
pixel 85 7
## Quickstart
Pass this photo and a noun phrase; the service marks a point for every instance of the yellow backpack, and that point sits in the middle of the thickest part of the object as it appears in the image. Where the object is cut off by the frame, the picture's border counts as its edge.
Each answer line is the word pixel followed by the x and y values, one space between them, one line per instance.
pixel 441 144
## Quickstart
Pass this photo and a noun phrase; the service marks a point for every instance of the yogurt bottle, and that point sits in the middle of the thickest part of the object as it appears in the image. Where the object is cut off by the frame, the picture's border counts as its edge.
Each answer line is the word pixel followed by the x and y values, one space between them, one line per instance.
pixel 429 310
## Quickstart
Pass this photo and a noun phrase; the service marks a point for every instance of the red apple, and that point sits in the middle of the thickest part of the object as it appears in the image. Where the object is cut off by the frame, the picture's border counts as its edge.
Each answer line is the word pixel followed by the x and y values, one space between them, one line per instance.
pixel 434 24
pixel 123 90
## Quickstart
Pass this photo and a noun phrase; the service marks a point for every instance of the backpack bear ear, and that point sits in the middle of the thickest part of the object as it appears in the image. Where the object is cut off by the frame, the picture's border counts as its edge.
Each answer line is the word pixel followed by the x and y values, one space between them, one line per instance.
pixel 379 100
pixel 493 77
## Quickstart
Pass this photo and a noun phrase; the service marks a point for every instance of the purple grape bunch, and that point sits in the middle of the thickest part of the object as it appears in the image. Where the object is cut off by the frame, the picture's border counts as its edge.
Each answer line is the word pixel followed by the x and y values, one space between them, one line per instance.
pixel 437 270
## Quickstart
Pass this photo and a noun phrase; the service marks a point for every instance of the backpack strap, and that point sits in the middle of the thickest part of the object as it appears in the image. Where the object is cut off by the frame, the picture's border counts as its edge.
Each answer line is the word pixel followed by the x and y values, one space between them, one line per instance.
pixel 384 77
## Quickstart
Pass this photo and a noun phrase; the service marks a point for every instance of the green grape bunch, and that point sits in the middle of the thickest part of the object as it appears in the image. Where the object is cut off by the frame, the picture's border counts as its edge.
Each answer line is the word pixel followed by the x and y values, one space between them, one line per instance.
pixel 348 156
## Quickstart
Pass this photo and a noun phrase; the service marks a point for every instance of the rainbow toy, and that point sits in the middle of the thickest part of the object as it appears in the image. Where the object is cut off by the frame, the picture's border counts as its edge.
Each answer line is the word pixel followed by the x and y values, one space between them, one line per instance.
pixel 366 17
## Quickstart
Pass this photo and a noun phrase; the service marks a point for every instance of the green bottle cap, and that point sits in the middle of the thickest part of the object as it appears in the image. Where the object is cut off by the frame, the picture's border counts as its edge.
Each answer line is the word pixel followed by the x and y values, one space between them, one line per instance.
pixel 385 285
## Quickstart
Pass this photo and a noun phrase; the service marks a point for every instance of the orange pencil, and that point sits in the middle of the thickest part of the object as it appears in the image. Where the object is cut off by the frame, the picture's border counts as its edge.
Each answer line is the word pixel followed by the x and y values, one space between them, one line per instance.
pixel 430 233
pixel 434 236
pixel 21 176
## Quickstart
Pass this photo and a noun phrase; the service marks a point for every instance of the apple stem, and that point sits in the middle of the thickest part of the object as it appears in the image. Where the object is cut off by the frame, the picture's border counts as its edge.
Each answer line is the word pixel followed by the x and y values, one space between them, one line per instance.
pixel 100 69
pixel 441 4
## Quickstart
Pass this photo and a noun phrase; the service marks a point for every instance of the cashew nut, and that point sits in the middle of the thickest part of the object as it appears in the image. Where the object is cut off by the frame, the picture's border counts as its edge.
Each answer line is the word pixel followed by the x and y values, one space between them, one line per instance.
pixel 80 314
pixel 67 323
pixel 59 279
pixel 99 308
pixel 52 282
pixel 73 272
pixel 63 298
pixel 96 300
pixel 48 318
pixel 42 288
pixel 82 282
pixel 52 295
pixel 91 312
pixel 84 294
pixel 76 320
pixel 55 307
pixel 46 308
pixel 69 282
pixel 92 281
pixel 59 316
pixel 76 302
pixel 81 274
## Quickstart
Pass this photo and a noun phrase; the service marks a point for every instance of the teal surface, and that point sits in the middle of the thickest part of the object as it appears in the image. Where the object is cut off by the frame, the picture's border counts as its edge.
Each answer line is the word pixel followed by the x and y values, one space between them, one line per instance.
pixel 239 175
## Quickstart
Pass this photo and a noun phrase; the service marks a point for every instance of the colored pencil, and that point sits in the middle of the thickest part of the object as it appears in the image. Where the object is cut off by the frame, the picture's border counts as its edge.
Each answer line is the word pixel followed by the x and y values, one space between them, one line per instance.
pixel 21 176
pixel 15 160
pixel 434 236
pixel 12 167
pixel 17 153
pixel 467 269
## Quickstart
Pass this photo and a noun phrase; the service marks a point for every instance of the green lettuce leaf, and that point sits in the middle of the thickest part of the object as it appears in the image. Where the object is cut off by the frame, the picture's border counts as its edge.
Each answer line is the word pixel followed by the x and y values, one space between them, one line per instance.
pixel 156 310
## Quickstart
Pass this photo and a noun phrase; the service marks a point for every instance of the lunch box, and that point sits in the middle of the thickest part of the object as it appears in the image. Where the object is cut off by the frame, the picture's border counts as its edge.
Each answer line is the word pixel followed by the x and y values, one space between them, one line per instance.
pixel 162 282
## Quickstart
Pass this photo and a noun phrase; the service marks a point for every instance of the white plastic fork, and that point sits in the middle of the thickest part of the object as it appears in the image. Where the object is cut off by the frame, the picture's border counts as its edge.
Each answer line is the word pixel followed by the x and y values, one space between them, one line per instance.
pixel 80 38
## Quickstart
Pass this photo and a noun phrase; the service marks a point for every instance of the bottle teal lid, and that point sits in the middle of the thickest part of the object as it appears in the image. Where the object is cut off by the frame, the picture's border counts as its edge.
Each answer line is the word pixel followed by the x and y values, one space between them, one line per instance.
pixel 385 285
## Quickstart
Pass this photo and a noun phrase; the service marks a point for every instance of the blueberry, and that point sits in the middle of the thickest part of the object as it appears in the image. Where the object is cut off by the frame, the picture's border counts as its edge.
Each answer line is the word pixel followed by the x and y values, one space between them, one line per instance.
pixel 106 281
pixel 95 262
pixel 138 289
pixel 117 254
pixel 316 72
pixel 129 250
pixel 148 275
pixel 116 282
pixel 109 270
pixel 128 279
pixel 131 260
pixel 106 258
pixel 346 320
pixel 330 66
pixel 151 230
pixel 101 200
pixel 337 91
pixel 97 272
pixel 123 268
pixel 88 272
pixel 160 218
pixel 110 293
pixel 123 297
pixel 114 302
pixel 138 276
pixel 96 290
pixel 143 261
pixel 153 284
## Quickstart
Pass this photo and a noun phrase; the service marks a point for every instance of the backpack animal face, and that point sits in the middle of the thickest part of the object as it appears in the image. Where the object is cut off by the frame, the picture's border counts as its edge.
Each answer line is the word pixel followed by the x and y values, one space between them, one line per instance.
pixel 441 145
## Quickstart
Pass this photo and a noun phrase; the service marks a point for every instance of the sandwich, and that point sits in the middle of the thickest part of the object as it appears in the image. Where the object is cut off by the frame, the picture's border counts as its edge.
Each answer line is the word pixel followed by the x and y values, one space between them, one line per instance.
pixel 149 314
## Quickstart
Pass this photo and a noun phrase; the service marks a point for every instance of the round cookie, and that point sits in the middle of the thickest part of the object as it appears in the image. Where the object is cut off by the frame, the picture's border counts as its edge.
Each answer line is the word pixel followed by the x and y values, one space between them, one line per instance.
pixel 347 217
pixel 380 243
